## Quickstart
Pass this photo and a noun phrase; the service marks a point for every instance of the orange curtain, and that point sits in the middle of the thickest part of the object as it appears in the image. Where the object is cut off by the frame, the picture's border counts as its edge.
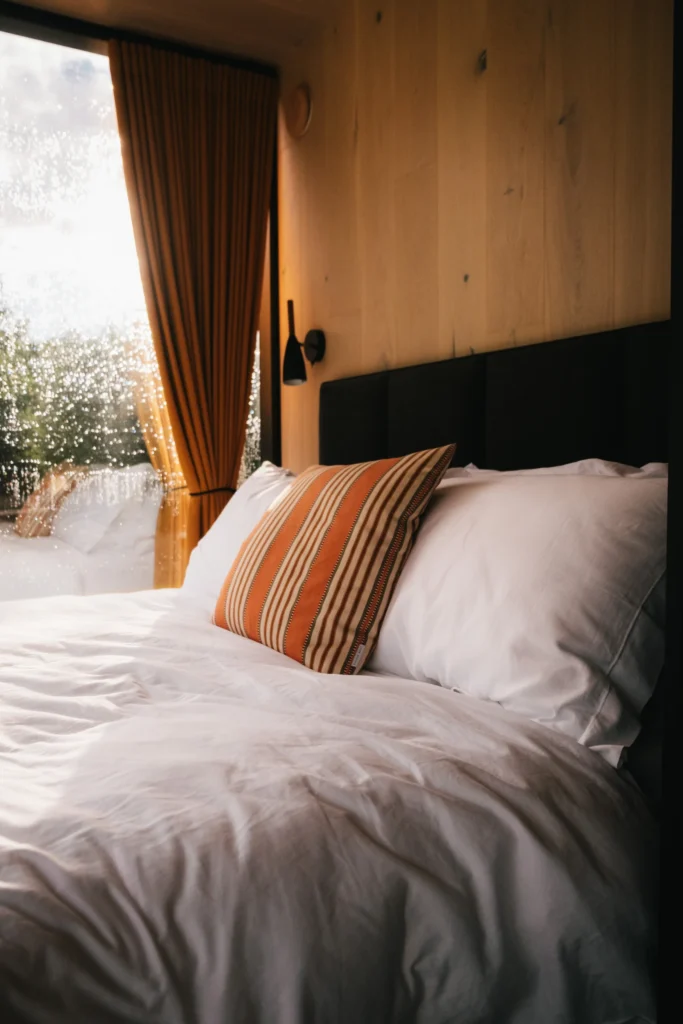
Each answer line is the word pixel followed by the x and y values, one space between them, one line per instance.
pixel 170 549
pixel 197 137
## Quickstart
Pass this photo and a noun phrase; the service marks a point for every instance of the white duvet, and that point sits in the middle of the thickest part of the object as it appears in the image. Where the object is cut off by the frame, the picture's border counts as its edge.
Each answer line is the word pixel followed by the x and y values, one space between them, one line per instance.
pixel 195 829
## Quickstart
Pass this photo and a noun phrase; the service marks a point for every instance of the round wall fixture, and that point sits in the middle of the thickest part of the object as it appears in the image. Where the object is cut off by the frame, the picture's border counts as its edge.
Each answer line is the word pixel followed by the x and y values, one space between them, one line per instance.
pixel 298 109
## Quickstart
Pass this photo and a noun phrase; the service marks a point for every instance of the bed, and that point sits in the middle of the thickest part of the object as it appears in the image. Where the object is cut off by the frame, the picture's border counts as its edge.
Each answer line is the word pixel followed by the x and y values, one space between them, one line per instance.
pixel 102 542
pixel 194 827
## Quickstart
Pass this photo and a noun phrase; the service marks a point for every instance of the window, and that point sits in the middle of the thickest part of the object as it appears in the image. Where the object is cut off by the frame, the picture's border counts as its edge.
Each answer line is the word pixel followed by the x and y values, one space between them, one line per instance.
pixel 74 338
pixel 251 456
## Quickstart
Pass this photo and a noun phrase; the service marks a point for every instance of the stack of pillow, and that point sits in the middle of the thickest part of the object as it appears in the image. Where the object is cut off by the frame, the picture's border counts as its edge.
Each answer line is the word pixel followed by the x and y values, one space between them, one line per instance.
pixel 542 591
pixel 102 522
pixel 110 508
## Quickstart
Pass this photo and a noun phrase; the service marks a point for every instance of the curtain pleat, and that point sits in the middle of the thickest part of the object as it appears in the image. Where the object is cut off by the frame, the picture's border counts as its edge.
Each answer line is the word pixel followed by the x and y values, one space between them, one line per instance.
pixel 197 138
pixel 170 548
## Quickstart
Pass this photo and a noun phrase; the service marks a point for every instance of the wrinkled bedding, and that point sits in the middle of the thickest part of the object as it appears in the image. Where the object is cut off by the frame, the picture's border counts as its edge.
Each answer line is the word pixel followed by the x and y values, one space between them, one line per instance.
pixel 195 829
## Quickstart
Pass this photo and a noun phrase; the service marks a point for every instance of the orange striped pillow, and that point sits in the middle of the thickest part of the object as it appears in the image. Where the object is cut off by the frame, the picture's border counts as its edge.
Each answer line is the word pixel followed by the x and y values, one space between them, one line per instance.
pixel 315 576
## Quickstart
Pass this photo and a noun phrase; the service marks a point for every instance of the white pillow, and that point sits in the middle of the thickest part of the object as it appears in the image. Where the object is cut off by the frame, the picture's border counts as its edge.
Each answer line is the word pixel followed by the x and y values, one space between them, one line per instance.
pixel 541 592
pixel 211 559
pixel 123 560
pixel 94 504
pixel 587 467
pixel 134 528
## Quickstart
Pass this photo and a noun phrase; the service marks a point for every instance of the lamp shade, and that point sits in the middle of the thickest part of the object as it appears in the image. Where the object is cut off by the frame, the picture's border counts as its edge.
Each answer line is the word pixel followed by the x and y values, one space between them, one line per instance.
pixel 293 367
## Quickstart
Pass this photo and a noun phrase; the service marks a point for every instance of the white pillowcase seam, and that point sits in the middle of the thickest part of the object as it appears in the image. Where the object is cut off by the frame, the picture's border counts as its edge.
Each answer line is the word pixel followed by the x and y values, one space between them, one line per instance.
pixel 615 660
pixel 632 624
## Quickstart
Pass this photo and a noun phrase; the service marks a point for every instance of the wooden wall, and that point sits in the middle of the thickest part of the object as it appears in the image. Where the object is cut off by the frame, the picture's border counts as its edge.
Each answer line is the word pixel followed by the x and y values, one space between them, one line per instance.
pixel 444 201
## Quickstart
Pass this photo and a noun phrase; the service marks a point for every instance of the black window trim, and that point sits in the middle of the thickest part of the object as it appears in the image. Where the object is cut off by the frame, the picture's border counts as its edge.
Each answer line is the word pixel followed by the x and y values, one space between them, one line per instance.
pixel 88 35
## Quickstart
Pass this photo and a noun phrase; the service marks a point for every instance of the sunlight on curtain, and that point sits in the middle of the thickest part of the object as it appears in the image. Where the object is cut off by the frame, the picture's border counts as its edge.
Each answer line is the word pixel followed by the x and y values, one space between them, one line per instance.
pixel 171 548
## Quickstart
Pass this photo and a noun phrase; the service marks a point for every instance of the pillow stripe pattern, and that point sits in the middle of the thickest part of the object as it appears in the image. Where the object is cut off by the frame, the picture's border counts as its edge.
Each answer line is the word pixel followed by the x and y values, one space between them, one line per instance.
pixel 314 578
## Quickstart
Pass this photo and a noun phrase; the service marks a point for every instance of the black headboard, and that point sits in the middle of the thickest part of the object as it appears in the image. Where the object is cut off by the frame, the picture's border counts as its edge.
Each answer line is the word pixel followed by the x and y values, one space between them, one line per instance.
pixel 596 396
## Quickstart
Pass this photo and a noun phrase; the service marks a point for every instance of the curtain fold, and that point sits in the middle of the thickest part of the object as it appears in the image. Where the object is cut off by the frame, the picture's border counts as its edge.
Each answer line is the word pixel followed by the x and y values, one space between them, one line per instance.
pixel 197 138
pixel 170 547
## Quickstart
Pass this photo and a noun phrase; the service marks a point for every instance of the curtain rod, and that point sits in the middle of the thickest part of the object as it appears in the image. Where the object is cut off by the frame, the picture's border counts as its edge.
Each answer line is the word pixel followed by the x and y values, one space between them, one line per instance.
pixel 87 35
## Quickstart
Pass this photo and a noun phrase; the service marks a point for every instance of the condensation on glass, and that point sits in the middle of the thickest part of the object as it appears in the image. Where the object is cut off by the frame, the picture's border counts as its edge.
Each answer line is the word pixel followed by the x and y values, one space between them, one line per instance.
pixel 86 454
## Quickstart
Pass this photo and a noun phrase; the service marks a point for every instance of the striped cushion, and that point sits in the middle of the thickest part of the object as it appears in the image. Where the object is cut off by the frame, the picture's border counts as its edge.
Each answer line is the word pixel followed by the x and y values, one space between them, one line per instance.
pixel 37 516
pixel 315 576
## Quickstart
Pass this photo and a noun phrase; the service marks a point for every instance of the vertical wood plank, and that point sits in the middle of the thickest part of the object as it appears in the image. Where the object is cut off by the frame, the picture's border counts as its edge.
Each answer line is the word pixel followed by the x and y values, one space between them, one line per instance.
pixel 461 112
pixel 333 257
pixel 515 171
pixel 415 188
pixel 335 184
pixel 579 174
pixel 291 243
pixel 302 163
pixel 375 175
pixel 644 91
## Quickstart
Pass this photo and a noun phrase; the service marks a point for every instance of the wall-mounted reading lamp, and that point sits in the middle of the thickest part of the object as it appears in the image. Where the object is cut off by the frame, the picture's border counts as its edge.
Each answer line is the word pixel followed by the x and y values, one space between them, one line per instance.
pixel 294 367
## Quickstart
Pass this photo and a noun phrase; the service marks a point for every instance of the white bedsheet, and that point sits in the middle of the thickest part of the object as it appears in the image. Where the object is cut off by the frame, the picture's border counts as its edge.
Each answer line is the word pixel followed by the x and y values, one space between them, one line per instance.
pixel 193 828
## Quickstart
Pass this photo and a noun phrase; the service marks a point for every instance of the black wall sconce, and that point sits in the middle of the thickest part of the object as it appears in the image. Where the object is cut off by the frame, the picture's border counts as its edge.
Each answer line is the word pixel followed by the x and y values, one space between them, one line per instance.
pixel 294 367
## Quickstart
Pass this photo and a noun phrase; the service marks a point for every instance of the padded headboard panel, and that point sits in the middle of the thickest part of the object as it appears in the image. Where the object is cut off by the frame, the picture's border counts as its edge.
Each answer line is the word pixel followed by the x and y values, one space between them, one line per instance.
pixel 596 396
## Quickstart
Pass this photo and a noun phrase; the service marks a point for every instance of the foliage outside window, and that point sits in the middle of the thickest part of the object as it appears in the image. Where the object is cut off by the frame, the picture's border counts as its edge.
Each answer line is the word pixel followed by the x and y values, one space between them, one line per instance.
pixel 63 399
